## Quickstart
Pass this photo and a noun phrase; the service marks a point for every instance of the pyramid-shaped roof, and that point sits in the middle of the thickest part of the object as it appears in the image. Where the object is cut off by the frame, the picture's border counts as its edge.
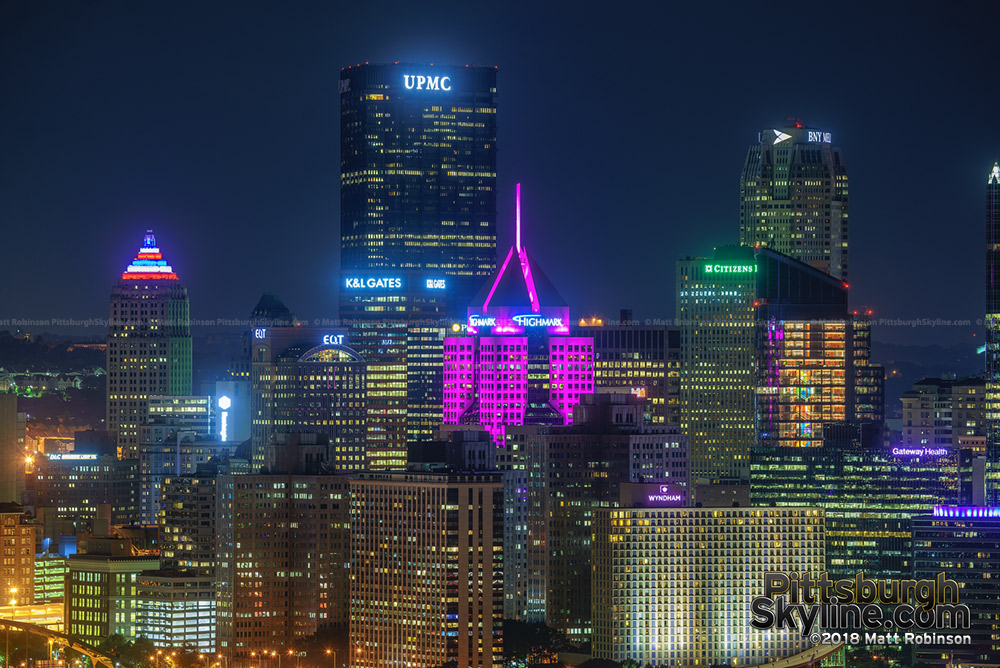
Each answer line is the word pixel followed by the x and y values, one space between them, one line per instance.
pixel 149 263
pixel 520 283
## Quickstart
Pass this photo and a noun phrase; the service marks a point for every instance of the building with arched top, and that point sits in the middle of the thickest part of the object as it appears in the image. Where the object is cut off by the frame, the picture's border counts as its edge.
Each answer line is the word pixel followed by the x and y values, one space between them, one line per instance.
pixel 149 343
pixel 307 380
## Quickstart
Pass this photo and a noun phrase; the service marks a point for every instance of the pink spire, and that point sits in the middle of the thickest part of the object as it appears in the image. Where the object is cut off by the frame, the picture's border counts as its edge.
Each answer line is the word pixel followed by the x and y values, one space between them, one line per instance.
pixel 518 229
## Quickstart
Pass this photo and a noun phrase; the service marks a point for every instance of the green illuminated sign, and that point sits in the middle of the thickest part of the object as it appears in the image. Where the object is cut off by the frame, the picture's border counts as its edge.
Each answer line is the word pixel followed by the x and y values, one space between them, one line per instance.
pixel 730 269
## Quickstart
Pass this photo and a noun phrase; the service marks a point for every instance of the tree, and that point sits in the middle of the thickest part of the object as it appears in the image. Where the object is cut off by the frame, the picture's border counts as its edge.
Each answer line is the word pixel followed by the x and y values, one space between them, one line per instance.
pixel 526 643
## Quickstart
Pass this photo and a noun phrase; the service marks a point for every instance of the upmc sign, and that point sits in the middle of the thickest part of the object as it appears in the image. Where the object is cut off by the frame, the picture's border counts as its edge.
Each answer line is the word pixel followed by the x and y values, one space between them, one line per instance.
pixel 423 82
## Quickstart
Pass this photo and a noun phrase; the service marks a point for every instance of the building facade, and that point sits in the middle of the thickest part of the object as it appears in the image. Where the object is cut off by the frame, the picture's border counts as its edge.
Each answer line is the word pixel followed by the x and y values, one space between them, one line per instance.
pixel 17 567
pixel 964 543
pixel 397 321
pixel 282 559
pixel 570 471
pixel 794 197
pixel 12 450
pixel 418 171
pixel 148 345
pixel 993 334
pixel 307 380
pixel 644 360
pixel 176 610
pixel 516 362
pixel 672 586
pixel 944 412
pixel 427 569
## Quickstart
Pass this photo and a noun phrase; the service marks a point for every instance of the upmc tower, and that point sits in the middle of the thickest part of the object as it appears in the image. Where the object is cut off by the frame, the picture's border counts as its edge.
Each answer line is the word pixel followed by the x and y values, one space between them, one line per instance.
pixel 418 172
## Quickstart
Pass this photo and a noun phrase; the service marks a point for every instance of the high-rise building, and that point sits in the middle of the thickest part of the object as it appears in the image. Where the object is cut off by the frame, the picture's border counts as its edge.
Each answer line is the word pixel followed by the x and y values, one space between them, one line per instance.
pixel 944 413
pixel 794 197
pixel 282 552
pixel 17 569
pixel 964 543
pixel 418 166
pixel 870 492
pixel 715 311
pixel 673 586
pixel 397 321
pixel 571 471
pixel 426 569
pixel 993 335
pixel 643 360
pixel 869 379
pixel 768 350
pixel 308 380
pixel 81 491
pixel 516 363
pixel 12 451
pixel 187 526
pixel 148 345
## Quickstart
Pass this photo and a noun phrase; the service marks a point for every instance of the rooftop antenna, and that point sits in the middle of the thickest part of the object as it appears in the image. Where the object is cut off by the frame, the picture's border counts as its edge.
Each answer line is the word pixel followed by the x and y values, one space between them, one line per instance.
pixel 518 238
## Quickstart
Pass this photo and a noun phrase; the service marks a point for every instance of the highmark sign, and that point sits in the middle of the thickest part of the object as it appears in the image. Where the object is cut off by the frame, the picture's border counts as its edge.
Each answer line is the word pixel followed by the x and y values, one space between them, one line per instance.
pixel 534 320
pixel 423 82
pixel 730 269
pixel 482 321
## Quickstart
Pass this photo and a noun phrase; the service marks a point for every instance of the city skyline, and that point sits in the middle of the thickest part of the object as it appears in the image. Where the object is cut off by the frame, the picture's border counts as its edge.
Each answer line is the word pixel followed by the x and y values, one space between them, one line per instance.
pixel 207 160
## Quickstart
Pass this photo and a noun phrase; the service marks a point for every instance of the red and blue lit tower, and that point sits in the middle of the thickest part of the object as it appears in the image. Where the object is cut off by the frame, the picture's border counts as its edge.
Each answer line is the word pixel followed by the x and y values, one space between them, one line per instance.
pixel 149 342
pixel 517 363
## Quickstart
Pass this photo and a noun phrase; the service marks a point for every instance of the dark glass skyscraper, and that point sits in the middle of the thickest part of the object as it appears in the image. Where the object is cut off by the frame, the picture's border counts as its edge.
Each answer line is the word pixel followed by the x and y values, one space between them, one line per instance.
pixel 993 334
pixel 793 197
pixel 418 171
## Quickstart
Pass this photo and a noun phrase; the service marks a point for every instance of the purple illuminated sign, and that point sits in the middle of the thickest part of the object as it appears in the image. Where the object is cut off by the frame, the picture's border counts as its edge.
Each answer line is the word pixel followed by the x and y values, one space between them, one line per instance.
pixel 665 495
pixel 919 452
pixel 966 511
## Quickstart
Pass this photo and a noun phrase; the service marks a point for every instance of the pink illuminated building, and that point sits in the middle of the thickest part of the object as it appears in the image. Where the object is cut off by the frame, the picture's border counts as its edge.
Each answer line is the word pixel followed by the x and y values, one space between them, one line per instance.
pixel 517 363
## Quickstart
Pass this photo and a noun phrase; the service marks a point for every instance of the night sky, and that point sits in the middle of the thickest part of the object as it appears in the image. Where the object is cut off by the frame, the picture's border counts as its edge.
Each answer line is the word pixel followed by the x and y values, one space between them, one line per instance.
pixel 217 125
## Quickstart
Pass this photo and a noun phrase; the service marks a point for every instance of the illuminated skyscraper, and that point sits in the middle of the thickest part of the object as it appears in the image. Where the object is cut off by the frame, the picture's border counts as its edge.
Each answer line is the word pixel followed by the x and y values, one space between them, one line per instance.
pixel 768 353
pixel 794 197
pixel 993 335
pixel 517 363
pixel 426 577
pixel 397 322
pixel 149 343
pixel 673 586
pixel 306 380
pixel 418 171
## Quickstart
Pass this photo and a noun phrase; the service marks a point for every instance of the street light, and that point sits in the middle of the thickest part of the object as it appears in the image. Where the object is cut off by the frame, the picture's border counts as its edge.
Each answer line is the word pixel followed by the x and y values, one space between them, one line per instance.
pixel 334 653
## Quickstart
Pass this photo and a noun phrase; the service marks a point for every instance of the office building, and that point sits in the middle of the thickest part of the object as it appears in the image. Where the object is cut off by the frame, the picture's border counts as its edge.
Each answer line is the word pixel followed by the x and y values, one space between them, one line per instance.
pixel 944 412
pixel 285 538
pixel 964 543
pixel 517 362
pixel 308 380
pixel 148 344
pixel 426 569
pixel 643 360
pixel 794 197
pixel 81 491
pixel 176 610
pixel 869 378
pixel 17 569
pixel 993 335
pixel 397 322
pixel 571 471
pixel 187 525
pixel 101 589
pixel 418 170
pixel 673 586
pixel 768 350
pixel 12 450
pixel 715 310
pixel 870 493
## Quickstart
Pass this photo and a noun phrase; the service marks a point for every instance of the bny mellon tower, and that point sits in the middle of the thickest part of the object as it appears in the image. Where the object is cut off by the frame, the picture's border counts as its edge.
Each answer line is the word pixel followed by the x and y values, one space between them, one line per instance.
pixel 794 197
